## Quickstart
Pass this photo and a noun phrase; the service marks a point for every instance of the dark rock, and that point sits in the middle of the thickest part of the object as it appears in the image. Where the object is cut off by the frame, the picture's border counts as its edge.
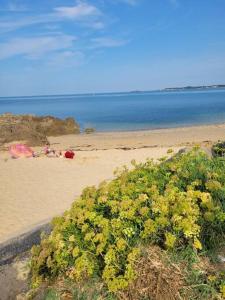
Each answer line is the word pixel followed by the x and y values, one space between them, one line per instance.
pixel 17 245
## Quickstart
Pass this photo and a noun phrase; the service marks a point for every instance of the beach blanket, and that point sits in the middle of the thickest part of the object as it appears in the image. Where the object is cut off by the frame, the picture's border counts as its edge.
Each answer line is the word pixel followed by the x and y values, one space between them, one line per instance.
pixel 20 150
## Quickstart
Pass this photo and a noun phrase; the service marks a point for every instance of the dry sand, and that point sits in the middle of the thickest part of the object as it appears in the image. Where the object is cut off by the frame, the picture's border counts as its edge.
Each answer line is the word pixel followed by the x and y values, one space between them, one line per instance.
pixel 34 190
pixel 143 139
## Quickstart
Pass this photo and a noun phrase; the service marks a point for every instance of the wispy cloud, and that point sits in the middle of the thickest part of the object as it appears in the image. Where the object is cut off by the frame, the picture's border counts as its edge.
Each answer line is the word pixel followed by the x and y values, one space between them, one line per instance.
pixel 35 47
pixel 66 59
pixel 50 44
pixel 9 25
pixel 82 12
pixel 78 11
pixel 107 42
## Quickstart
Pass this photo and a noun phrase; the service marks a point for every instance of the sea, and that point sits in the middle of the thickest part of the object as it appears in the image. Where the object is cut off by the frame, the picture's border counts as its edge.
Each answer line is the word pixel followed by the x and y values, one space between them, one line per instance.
pixel 127 111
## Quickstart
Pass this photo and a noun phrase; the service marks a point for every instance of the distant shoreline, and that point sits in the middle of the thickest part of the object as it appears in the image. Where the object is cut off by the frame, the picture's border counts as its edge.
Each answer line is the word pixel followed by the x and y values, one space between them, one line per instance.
pixel 88 94
pixel 190 87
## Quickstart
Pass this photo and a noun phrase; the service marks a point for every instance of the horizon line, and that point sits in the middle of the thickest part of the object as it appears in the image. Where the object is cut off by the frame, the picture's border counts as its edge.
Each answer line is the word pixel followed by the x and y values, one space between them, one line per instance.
pixel 121 92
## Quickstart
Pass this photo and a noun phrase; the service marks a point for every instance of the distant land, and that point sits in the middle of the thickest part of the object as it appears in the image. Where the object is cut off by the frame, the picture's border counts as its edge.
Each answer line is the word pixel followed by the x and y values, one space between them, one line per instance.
pixel 214 86
pixel 189 87
pixel 184 88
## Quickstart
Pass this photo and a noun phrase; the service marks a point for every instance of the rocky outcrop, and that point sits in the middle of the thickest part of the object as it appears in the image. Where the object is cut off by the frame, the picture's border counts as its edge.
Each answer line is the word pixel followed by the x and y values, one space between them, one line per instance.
pixel 33 129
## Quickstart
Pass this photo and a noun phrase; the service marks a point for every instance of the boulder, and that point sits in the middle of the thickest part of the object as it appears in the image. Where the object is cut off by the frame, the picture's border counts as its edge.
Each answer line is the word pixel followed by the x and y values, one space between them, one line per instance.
pixel 34 129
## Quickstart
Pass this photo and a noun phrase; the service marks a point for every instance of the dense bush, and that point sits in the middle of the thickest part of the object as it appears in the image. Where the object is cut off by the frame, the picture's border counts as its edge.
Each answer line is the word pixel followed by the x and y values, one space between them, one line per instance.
pixel 175 204
pixel 218 149
pixel 89 130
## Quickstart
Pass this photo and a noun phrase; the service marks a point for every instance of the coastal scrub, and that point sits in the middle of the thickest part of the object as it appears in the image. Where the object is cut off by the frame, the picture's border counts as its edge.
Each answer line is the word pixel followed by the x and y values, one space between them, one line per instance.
pixel 178 204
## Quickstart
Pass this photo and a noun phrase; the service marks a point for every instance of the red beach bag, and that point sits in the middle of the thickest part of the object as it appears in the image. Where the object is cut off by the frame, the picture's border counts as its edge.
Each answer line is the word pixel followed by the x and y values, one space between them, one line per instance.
pixel 69 154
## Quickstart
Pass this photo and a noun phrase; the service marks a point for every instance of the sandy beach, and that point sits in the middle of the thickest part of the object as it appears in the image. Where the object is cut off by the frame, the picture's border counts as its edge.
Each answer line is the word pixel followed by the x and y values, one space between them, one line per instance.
pixel 33 190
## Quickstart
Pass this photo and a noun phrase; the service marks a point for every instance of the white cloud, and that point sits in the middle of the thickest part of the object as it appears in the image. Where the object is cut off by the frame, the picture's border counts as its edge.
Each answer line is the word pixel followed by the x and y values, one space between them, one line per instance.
pixel 6 26
pixel 58 49
pixel 85 14
pixel 78 11
pixel 36 47
pixel 52 46
pixel 107 42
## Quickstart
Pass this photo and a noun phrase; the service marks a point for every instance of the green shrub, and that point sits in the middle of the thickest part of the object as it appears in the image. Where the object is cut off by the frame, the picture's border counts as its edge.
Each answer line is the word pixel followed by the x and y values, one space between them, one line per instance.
pixel 175 204
pixel 89 130
pixel 218 149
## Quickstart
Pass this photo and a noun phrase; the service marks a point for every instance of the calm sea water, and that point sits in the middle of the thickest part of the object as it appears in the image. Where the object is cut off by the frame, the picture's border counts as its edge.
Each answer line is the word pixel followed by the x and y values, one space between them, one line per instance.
pixel 127 111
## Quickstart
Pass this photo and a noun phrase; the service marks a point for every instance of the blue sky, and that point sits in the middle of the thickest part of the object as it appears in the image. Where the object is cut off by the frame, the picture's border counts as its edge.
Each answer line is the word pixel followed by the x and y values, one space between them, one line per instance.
pixel 69 46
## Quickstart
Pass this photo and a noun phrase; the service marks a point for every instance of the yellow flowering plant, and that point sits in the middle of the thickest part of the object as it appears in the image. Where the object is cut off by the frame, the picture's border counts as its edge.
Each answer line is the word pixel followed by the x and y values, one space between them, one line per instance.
pixel 176 203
